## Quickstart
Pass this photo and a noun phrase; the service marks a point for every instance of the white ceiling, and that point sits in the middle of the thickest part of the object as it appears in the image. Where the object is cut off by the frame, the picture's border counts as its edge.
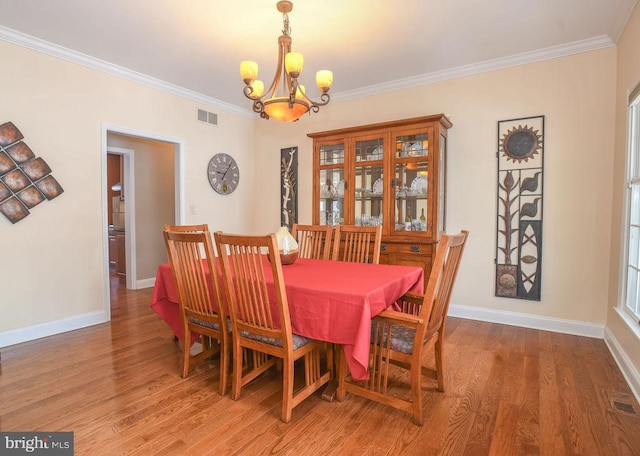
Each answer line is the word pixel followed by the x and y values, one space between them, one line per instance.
pixel 371 45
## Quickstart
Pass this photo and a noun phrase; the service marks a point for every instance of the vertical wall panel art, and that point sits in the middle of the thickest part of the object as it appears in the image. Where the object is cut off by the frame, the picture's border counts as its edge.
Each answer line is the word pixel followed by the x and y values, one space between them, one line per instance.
pixel 520 203
pixel 289 186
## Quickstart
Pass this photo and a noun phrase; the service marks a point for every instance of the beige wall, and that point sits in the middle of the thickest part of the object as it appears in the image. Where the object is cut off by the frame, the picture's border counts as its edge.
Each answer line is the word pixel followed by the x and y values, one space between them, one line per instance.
pixel 52 263
pixel 628 76
pixel 576 94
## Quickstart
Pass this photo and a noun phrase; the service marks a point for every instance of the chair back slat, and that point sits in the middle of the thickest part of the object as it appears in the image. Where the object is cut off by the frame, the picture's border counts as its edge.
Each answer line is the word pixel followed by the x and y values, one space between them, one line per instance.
pixel 250 285
pixel 358 244
pixel 314 241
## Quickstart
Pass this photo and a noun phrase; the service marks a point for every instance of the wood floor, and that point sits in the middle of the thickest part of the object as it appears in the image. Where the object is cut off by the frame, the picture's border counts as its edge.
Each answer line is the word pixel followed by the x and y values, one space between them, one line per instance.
pixel 510 391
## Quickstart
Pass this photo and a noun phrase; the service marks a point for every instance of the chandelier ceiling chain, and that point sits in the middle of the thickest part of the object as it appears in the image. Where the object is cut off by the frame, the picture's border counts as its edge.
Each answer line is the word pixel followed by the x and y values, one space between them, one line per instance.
pixel 290 104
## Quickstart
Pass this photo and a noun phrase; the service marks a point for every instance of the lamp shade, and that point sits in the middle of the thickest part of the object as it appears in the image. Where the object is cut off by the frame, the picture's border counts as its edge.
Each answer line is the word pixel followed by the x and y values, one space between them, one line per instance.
pixel 293 63
pixel 278 108
pixel 258 89
pixel 324 79
pixel 248 71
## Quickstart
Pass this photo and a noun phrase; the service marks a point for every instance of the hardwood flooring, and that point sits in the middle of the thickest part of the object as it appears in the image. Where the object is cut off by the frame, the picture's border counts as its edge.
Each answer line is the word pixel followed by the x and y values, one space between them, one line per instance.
pixel 510 391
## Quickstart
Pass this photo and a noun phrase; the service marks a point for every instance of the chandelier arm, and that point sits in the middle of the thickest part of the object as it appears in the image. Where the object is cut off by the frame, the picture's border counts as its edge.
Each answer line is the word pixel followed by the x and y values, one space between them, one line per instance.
pixel 258 106
pixel 324 99
pixel 248 90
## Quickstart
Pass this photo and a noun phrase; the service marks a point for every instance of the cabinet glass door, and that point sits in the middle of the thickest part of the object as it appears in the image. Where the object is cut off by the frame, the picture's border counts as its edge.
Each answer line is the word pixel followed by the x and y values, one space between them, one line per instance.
pixel 332 184
pixel 411 182
pixel 368 182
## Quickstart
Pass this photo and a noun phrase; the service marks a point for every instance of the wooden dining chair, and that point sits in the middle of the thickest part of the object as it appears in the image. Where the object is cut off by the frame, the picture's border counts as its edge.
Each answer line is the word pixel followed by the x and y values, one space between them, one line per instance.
pixel 401 337
pixel 314 241
pixel 358 244
pixel 261 325
pixel 193 263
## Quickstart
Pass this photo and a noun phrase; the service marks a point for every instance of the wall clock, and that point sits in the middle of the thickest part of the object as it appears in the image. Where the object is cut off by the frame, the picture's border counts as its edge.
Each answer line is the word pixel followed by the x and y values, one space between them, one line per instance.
pixel 223 173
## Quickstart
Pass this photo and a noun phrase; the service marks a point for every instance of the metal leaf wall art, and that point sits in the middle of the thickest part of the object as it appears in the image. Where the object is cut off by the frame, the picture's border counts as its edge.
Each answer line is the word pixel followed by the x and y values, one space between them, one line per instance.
pixel 519 223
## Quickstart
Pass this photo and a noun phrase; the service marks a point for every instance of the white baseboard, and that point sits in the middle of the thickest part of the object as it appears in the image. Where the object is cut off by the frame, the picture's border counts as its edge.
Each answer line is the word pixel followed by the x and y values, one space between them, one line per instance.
pixel 577 328
pixel 50 328
pixel 624 363
pixel 145 283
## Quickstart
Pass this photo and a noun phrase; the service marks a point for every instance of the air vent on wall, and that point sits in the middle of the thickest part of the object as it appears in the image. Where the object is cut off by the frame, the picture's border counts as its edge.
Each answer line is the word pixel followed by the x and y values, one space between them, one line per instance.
pixel 208 117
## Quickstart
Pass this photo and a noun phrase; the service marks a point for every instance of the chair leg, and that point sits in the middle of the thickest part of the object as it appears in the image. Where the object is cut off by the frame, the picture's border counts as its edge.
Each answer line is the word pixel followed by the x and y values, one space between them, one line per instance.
pixel 236 384
pixel 439 348
pixel 416 391
pixel 224 366
pixel 186 353
pixel 287 390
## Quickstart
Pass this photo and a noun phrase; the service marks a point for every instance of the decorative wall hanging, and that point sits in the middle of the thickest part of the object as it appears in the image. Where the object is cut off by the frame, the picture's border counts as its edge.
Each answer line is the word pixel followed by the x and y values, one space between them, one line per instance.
pixel 519 228
pixel 289 186
pixel 25 180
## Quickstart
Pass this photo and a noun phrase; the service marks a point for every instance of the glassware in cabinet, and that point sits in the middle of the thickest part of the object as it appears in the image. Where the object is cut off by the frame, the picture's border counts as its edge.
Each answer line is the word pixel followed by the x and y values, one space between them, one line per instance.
pixel 332 184
pixel 368 181
pixel 411 181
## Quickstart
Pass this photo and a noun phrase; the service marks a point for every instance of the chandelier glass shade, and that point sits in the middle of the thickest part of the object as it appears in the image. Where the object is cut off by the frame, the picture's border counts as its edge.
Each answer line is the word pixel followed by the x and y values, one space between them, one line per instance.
pixel 285 99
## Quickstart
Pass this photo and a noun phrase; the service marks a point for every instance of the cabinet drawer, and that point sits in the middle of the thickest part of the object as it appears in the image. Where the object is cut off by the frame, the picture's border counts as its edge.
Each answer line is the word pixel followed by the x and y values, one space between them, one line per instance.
pixel 419 249
pixel 409 248
pixel 387 247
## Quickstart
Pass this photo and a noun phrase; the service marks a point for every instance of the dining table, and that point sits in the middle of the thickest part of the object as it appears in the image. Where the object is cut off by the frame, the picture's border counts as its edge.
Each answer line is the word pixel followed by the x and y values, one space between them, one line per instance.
pixel 332 301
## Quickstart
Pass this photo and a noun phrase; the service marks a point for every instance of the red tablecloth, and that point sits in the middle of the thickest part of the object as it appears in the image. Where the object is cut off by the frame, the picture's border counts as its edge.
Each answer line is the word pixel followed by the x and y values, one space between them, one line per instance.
pixel 332 301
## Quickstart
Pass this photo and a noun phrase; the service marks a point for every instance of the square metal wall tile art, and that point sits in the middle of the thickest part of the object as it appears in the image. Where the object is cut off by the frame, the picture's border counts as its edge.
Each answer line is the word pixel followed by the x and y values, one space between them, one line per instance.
pixel 519 224
pixel 25 180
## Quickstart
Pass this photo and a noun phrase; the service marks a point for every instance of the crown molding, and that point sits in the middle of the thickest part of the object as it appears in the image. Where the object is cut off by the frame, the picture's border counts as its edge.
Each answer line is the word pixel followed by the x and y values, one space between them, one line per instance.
pixel 79 58
pixel 37 44
pixel 553 52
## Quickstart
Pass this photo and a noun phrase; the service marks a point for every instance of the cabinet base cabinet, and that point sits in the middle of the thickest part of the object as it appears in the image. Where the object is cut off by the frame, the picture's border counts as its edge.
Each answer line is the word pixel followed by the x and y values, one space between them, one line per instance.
pixel 408 254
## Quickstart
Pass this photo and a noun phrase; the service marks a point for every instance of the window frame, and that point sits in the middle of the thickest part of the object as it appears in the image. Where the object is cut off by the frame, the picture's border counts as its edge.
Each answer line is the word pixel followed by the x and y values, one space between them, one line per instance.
pixel 631 220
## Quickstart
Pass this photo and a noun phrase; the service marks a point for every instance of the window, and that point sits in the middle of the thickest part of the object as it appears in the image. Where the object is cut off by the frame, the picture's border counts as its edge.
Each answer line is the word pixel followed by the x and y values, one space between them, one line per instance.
pixel 631 293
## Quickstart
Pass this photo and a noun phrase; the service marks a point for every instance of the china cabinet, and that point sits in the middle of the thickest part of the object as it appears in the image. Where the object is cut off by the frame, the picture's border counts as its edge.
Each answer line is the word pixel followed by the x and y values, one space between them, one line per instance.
pixel 391 174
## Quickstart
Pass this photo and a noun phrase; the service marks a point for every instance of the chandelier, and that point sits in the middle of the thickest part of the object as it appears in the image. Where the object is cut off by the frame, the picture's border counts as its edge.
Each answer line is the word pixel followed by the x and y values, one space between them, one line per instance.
pixel 291 102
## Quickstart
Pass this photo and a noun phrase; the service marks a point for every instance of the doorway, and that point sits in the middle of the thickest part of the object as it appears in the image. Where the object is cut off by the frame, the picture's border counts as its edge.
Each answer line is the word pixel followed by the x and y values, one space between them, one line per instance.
pixel 152 189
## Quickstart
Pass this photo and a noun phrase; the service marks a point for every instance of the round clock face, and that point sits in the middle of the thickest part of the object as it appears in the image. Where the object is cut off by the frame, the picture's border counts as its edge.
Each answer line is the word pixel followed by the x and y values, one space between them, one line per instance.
pixel 223 173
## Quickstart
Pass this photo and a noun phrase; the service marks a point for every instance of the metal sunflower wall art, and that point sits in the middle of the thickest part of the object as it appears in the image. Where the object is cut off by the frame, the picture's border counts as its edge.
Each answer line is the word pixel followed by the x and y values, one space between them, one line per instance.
pixel 520 201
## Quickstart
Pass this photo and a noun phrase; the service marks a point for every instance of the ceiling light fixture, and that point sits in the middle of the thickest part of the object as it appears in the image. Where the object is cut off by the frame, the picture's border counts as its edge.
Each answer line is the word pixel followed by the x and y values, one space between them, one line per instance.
pixel 292 102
